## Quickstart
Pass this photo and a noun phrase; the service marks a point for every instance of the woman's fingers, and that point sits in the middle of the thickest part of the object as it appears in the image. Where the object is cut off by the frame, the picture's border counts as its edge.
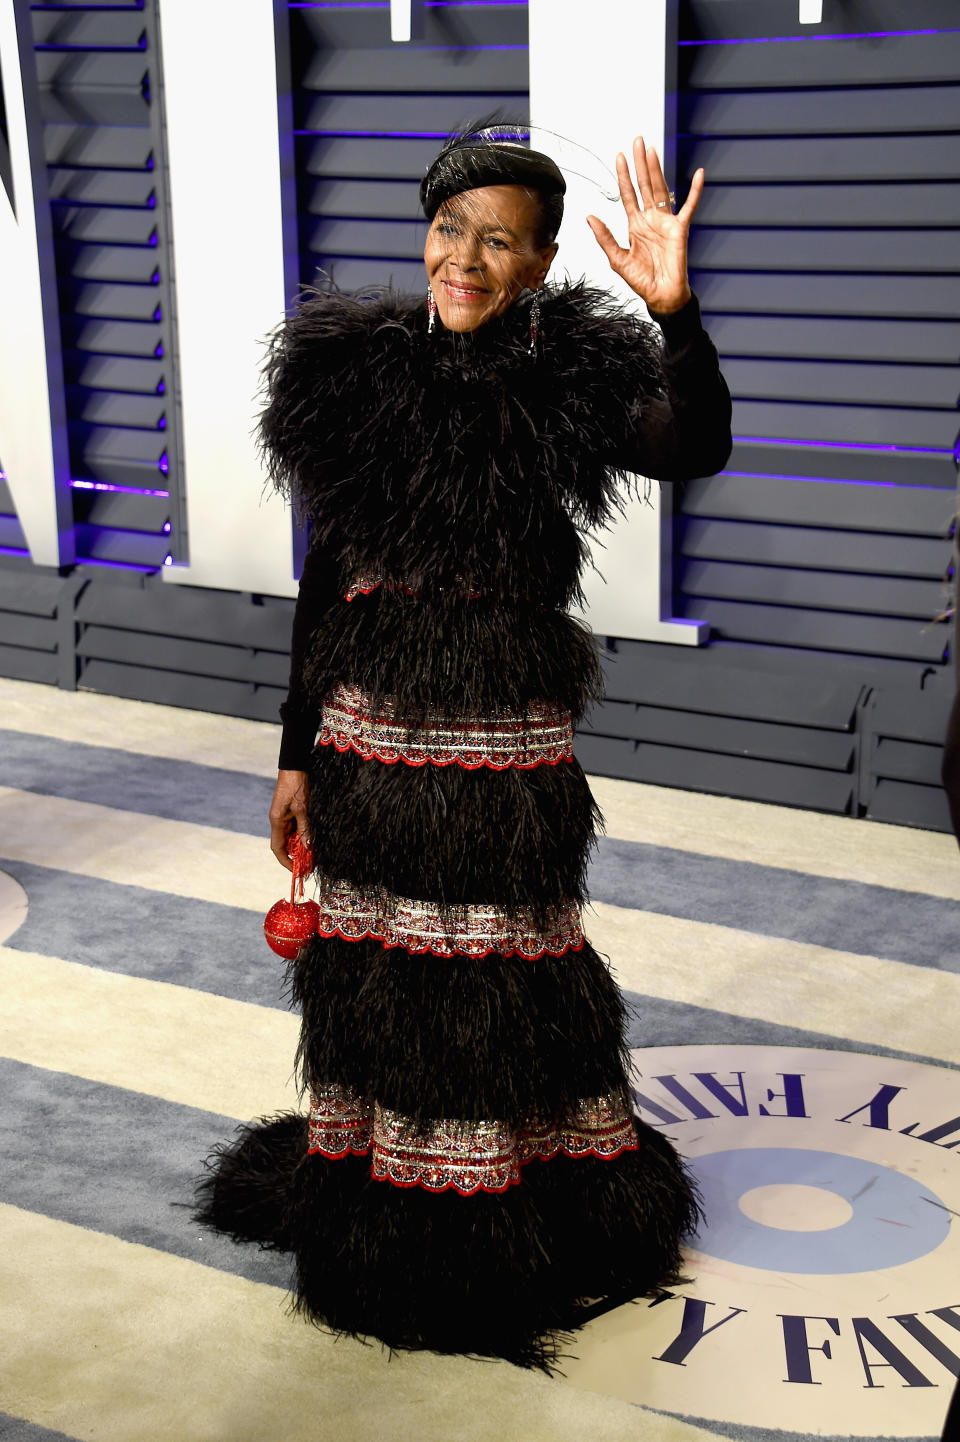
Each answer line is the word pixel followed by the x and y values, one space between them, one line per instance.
pixel 627 193
pixel 658 184
pixel 606 239
pixel 643 173
pixel 278 843
pixel 288 813
pixel 693 197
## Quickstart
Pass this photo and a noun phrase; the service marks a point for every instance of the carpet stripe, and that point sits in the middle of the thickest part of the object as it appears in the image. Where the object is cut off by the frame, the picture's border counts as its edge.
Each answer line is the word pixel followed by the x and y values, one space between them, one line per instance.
pixel 177 1352
pixel 219 949
pixel 900 857
pixel 131 1174
pixel 774 980
pixel 662 1021
pixel 185 1046
pixel 178 857
pixel 186 859
pixel 15 1429
pixel 198 944
pixel 141 727
pixel 843 847
pixel 845 915
pixel 143 785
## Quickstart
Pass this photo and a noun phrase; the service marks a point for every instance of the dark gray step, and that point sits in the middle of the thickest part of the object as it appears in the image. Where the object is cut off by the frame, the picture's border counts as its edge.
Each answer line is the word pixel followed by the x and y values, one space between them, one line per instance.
pixel 762 248
pixel 813 547
pixel 879 465
pixel 677 766
pixel 887 158
pixel 397 114
pixel 862 111
pixel 830 750
pixel 176 654
pixel 103 145
pixel 113 302
pixel 915 512
pixel 743 19
pixel 418 71
pixel 128 548
pixel 107 226
pixel 445 27
pixel 111 409
pixel 172 688
pixel 70 70
pixel 191 613
pixel 101 187
pixel 931 297
pixel 719 680
pixel 891 60
pixel 815 590
pixel 855 204
pixel 115 373
pixel 907 804
pixel 122 26
pixel 133 263
pixel 112 337
pixel 882 384
pixel 821 630
pixel 854 425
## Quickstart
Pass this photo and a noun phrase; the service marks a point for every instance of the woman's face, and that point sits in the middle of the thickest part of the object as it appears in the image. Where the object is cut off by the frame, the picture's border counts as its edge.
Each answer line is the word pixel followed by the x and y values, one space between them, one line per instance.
pixel 481 253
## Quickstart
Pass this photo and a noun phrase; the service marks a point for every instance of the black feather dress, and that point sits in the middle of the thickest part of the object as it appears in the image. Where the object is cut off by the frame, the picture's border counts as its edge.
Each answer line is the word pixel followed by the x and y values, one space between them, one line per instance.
pixel 470 1171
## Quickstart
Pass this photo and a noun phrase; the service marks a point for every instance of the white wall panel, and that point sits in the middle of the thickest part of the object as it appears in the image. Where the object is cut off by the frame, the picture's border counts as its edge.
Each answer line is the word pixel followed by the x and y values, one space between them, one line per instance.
pixel 33 439
pixel 599 76
pixel 226 183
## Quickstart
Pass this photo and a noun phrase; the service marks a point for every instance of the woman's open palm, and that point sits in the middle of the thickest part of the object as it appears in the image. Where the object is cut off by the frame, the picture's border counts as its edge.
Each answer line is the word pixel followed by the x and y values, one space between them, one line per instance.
pixel 654 261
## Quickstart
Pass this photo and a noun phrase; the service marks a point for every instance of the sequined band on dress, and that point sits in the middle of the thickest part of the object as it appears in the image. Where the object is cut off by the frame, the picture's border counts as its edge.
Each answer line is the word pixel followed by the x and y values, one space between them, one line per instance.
pixel 461 1156
pixel 348 911
pixel 541 737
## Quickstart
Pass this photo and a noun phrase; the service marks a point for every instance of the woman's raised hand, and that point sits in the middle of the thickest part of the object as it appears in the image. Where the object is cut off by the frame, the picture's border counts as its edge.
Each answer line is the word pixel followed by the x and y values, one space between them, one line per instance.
pixel 654 261
pixel 288 813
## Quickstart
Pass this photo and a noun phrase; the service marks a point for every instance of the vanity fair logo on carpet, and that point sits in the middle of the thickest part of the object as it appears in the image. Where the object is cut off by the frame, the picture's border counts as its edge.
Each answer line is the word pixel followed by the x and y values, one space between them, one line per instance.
pixel 825 1291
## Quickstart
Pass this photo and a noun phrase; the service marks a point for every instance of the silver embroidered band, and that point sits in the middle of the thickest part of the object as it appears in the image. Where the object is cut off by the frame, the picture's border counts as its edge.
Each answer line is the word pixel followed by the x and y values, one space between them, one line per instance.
pixel 462 1156
pixel 348 911
pixel 543 736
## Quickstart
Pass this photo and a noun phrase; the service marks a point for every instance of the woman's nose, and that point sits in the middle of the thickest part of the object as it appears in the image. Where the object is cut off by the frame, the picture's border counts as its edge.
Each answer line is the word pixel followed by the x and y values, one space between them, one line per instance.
pixel 467 254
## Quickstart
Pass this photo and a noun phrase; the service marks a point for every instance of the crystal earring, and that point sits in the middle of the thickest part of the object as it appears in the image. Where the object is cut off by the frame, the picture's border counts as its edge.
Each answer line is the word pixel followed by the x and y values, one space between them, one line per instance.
pixel 431 310
pixel 534 322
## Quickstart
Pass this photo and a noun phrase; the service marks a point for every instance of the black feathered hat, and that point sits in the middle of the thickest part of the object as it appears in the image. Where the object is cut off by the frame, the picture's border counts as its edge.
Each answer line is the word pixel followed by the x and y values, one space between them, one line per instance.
pixel 480 157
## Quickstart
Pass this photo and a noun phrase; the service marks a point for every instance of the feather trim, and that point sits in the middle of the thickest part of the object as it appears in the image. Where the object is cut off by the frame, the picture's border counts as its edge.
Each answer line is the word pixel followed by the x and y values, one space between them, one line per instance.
pixel 456 459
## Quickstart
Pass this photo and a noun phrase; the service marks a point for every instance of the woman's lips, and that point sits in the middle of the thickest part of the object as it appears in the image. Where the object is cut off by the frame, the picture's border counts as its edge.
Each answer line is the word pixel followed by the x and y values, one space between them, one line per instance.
pixel 463 292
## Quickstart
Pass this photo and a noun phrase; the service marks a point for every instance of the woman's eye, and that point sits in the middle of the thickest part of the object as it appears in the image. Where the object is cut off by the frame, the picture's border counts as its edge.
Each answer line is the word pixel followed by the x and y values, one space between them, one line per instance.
pixel 447 229
pixel 497 244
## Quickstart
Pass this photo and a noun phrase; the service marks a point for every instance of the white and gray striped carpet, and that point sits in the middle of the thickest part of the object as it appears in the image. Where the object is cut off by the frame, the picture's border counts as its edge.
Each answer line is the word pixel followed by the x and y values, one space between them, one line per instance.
pixel 142 1018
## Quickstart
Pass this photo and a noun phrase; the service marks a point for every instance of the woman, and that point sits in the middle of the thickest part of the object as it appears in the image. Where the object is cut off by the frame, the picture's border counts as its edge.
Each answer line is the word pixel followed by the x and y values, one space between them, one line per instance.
pixel 470 1171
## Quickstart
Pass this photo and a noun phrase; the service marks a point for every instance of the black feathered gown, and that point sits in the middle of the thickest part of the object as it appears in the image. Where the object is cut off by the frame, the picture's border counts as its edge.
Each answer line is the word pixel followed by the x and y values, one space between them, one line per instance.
pixel 470 1170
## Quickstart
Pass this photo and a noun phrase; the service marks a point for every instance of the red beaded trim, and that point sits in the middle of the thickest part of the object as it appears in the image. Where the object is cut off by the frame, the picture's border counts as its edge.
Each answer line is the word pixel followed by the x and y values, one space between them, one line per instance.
pixel 461 1156
pixel 543 737
pixel 600 1127
pixel 419 926
pixel 339 1123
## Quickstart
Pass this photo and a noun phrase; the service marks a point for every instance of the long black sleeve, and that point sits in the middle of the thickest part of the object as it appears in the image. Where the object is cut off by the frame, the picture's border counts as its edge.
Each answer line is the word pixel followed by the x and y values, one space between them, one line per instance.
pixel 683 429
pixel 299 715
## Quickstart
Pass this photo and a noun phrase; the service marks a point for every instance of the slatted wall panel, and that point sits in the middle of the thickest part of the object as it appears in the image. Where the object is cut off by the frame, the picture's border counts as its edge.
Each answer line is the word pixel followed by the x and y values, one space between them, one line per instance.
pixel 369 115
pixel 97 67
pixel 827 262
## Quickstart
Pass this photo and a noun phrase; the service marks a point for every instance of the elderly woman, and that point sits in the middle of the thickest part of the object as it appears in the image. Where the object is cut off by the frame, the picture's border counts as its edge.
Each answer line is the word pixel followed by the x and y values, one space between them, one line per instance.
pixel 470 1172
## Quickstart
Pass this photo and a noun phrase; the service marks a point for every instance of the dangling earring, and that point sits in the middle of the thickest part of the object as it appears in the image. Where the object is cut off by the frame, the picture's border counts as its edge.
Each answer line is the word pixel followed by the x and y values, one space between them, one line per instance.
pixel 431 310
pixel 534 322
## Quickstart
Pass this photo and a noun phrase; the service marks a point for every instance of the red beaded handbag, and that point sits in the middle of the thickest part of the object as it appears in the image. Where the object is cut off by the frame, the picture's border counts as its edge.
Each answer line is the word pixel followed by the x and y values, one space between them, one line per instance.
pixel 289 925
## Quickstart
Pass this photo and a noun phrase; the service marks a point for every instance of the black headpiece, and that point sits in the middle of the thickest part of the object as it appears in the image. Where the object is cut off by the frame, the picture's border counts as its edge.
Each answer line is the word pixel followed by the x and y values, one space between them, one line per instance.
pixel 473 160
